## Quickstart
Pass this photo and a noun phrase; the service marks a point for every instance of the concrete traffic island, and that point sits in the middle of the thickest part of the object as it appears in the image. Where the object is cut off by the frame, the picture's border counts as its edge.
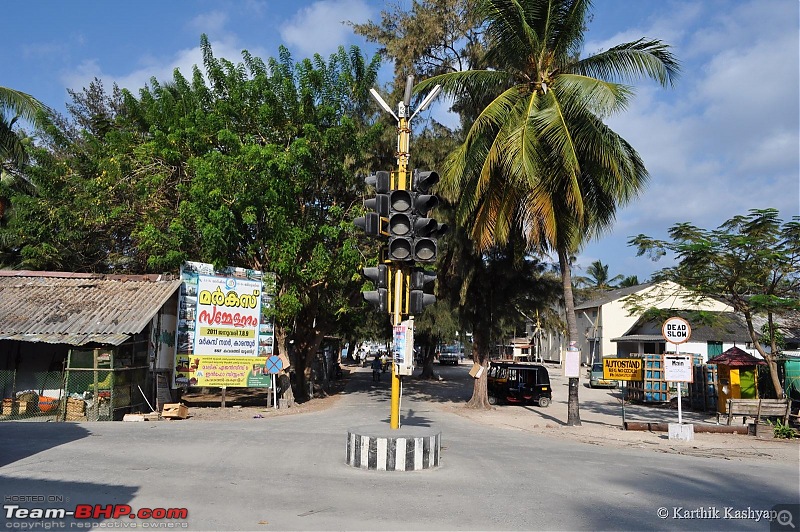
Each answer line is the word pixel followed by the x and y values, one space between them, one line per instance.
pixel 379 447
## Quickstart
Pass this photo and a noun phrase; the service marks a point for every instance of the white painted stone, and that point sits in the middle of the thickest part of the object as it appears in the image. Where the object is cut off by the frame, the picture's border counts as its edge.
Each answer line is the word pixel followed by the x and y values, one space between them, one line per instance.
pixel 681 431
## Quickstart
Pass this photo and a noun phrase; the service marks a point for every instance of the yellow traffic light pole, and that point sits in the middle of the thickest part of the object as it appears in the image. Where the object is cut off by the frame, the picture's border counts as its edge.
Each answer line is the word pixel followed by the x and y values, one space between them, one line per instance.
pixel 401 182
pixel 398 277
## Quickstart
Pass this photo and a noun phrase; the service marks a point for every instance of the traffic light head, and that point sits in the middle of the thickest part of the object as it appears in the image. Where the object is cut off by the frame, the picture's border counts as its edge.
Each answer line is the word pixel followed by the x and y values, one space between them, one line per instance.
pixel 401 249
pixel 418 299
pixel 376 223
pixel 424 203
pixel 401 226
pixel 379 204
pixel 425 249
pixel 379 275
pixel 424 180
pixel 381 180
pixel 370 223
pixel 412 235
pixel 421 184
pixel 429 227
pixel 418 278
pixel 379 298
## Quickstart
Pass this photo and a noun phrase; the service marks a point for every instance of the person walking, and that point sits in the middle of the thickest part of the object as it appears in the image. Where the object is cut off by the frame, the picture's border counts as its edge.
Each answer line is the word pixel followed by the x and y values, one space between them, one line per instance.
pixel 376 369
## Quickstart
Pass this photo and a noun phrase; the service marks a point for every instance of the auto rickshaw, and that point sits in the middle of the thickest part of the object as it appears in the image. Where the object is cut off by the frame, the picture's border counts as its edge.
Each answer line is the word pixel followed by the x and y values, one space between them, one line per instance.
pixel 519 383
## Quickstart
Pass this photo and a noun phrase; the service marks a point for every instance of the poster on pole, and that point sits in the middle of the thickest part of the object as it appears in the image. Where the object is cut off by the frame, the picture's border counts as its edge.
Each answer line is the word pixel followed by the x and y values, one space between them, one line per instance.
pixel 572 362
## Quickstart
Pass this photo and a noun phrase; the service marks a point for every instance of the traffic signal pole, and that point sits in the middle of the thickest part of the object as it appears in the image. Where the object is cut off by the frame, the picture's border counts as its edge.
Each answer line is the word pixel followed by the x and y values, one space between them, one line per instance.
pixel 399 272
pixel 401 183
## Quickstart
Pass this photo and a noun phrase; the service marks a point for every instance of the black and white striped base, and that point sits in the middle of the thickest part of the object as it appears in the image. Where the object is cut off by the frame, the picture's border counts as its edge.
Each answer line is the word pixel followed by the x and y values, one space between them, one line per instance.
pixel 405 449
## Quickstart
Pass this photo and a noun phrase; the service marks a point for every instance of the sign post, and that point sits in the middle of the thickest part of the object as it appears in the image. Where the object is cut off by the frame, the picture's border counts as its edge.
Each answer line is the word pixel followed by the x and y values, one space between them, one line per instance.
pixel 274 365
pixel 678 368
pixel 623 369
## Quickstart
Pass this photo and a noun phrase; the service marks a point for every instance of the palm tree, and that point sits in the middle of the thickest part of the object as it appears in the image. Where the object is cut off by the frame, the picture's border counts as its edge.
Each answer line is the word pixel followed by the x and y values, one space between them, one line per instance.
pixel 597 277
pixel 539 157
pixel 13 155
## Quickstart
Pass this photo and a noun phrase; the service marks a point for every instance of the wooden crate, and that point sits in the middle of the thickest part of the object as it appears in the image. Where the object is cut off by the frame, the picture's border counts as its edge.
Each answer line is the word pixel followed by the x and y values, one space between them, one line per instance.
pixel 175 411
pixel 21 408
pixel 653 388
pixel 76 410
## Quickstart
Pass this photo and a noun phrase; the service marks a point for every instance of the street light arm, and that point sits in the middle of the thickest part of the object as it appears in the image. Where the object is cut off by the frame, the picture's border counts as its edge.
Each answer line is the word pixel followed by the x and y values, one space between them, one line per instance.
pixel 428 99
pixel 382 103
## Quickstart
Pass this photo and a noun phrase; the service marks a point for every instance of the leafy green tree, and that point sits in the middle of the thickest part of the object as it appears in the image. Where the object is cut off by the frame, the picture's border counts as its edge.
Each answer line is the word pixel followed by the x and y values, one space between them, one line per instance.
pixel 437 325
pixel 88 197
pixel 752 262
pixel 494 290
pixel 260 166
pixel 281 190
pixel 539 158
pixel 427 38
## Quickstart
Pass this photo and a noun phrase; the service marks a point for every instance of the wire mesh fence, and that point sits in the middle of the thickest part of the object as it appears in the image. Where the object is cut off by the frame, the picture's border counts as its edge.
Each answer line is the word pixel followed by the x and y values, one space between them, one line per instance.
pixel 38 396
pixel 73 395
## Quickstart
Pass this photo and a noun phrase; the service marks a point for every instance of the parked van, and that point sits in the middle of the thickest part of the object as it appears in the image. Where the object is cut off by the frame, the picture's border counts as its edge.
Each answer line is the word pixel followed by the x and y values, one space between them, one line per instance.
pixel 519 383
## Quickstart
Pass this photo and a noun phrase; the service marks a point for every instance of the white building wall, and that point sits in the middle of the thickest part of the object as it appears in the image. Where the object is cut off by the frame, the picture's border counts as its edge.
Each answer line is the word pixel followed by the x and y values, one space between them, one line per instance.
pixel 614 318
pixel 699 348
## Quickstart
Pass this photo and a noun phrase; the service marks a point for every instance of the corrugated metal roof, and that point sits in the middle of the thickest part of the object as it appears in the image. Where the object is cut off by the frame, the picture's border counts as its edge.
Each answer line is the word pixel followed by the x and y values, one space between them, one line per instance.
pixel 639 338
pixel 77 309
pixel 729 327
pixel 612 295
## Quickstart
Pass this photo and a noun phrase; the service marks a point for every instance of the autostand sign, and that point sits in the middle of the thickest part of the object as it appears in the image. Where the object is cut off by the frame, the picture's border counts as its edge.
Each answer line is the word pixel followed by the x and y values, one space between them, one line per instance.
pixel 678 368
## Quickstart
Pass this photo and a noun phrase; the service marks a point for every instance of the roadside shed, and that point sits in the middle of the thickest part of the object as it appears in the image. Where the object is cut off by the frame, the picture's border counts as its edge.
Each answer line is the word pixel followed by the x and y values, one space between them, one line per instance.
pixel 78 346
pixel 737 374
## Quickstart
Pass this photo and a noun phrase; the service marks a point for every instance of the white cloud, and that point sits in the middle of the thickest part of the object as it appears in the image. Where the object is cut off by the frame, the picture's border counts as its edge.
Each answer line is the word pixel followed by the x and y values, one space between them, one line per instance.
pixel 320 28
pixel 209 23
pixel 161 68
pixel 725 139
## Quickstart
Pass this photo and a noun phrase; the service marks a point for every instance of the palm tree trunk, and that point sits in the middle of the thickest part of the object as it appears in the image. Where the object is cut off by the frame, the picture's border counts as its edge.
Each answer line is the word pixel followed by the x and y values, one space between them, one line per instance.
pixel 573 409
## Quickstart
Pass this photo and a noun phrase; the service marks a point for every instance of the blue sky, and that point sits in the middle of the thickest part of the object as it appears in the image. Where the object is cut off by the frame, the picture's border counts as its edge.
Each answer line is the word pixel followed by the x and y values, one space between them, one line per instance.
pixel 722 141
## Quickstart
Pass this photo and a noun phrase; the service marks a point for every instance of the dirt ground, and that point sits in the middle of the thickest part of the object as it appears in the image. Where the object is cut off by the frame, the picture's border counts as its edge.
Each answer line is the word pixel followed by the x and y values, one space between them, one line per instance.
pixel 601 421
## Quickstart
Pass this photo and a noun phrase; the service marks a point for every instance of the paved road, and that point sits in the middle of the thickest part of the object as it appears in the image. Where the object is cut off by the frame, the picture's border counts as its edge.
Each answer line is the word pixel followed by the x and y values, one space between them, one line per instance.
pixel 288 473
